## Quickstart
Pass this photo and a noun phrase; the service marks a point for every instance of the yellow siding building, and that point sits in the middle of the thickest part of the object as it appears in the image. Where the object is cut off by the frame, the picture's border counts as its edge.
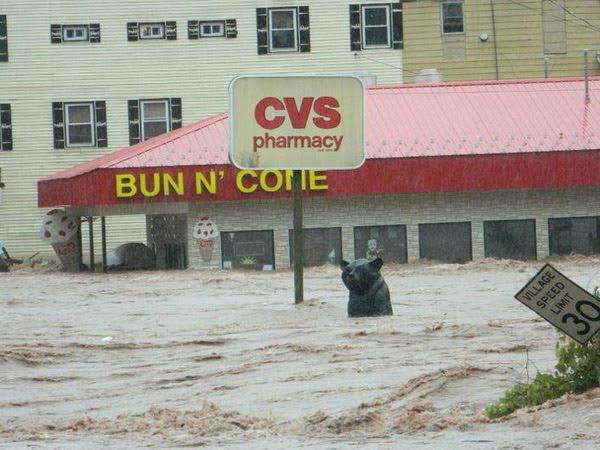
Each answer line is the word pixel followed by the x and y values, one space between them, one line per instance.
pixel 501 39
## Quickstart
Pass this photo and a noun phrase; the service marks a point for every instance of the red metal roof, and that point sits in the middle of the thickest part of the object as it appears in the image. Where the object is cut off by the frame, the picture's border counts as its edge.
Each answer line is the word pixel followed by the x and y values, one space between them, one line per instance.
pixel 403 121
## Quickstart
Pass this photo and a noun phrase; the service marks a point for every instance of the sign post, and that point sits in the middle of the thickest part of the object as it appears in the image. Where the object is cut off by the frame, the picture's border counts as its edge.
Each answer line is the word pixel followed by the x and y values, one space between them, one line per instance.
pixel 564 304
pixel 296 122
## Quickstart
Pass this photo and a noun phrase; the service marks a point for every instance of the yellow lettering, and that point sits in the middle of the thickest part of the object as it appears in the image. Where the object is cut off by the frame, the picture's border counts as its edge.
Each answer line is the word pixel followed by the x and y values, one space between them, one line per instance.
pixel 209 185
pixel 125 185
pixel 239 181
pixel 264 182
pixel 144 185
pixel 289 175
pixel 315 177
pixel 170 183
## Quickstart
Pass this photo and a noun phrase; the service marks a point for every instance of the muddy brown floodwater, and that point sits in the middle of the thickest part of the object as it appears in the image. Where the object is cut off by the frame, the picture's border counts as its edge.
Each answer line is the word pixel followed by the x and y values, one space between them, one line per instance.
pixel 224 359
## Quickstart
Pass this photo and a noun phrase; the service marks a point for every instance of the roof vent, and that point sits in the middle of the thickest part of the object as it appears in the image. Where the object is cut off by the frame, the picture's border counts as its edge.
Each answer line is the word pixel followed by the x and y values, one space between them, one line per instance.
pixel 429 76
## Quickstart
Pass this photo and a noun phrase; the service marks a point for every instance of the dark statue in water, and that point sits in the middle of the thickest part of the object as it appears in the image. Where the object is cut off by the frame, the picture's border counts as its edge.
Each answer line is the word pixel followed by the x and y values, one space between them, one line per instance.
pixel 369 293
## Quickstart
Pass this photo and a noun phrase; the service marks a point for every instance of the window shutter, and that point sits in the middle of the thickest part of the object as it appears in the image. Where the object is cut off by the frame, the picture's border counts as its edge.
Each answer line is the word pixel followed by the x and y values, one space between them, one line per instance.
pixel 94 32
pixel 175 112
pixel 193 29
pixel 58 123
pixel 171 30
pixel 397 30
pixel 304 25
pixel 231 28
pixel 101 137
pixel 133 107
pixel 3 39
pixel 262 31
pixel 355 31
pixel 132 31
pixel 5 127
pixel 55 34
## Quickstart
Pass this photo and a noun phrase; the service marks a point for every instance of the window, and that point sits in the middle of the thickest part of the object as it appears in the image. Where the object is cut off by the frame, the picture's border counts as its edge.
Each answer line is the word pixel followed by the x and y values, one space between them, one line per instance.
pixel 574 235
pixel 376 26
pixel 79 124
pixel 447 242
pixel 386 241
pixel 321 246
pixel 3 39
pixel 510 239
pixel 214 28
pixel 453 17
pixel 5 127
pixel 155 118
pixel 283 30
pixel 248 250
pixel 151 31
pixel 74 33
pixel 152 117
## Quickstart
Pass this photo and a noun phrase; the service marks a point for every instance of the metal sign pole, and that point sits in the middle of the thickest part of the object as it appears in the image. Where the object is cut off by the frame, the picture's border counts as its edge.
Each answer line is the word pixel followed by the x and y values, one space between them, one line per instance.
pixel 298 241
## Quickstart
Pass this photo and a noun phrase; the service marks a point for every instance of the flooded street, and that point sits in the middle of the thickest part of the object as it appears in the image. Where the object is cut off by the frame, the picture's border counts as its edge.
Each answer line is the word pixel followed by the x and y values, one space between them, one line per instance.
pixel 224 359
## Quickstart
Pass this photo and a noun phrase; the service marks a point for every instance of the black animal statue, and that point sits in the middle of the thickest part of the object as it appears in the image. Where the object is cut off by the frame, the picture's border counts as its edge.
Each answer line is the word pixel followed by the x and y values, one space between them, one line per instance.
pixel 369 293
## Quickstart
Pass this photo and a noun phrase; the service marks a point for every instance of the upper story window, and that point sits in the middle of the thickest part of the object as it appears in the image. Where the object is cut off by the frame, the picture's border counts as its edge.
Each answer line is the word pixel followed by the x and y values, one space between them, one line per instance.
pixel 453 19
pixel 151 31
pixel 3 39
pixel 376 26
pixel 212 28
pixel 153 117
pixel 79 124
pixel 5 127
pixel 74 33
pixel 283 30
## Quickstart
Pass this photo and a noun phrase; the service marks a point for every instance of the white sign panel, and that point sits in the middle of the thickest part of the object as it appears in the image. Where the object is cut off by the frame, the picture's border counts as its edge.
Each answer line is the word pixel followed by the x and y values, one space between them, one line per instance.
pixel 296 122
pixel 563 303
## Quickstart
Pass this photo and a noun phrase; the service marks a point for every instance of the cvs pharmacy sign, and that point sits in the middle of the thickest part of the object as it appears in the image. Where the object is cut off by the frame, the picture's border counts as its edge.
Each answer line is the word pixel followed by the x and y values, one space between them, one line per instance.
pixel 297 122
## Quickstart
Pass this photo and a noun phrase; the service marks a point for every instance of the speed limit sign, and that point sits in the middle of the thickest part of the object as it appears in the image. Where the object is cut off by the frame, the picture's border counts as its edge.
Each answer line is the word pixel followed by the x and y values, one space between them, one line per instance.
pixel 564 304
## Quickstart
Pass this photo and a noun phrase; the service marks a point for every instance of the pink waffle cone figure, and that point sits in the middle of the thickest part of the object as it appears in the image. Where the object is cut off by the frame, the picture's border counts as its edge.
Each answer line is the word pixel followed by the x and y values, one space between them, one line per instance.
pixel 205 232
pixel 59 229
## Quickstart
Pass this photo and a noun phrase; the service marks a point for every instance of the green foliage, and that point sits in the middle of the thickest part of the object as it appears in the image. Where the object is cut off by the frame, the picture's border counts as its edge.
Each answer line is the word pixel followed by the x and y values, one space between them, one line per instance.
pixel 577 370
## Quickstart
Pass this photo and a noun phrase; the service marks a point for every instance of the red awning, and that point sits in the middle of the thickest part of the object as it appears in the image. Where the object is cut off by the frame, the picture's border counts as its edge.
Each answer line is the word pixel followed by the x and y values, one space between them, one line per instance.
pixel 420 138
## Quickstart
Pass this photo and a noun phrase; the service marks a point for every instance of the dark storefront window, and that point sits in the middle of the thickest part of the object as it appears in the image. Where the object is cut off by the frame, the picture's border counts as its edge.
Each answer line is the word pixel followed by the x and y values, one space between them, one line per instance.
pixel 387 242
pixel 248 250
pixel 447 242
pixel 574 235
pixel 321 246
pixel 510 239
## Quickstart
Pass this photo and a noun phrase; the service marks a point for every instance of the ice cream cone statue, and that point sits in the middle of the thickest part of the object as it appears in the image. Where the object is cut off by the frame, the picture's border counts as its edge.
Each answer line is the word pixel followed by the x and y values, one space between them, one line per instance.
pixel 205 232
pixel 60 230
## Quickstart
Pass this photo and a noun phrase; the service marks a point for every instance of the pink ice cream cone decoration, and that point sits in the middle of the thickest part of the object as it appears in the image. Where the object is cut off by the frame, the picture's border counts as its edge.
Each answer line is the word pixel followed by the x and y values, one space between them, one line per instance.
pixel 205 232
pixel 59 229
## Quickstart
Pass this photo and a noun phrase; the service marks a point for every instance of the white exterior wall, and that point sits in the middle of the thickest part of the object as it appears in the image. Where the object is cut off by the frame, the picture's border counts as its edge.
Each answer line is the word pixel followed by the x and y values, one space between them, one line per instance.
pixel 116 70
pixel 409 210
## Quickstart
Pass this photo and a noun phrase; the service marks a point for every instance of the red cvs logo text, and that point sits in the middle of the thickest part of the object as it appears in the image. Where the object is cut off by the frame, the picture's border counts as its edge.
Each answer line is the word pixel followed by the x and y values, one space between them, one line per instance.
pixel 271 112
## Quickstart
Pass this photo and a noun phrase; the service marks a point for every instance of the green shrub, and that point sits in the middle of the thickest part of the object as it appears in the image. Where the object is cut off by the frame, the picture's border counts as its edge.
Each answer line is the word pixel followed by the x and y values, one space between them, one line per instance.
pixel 577 370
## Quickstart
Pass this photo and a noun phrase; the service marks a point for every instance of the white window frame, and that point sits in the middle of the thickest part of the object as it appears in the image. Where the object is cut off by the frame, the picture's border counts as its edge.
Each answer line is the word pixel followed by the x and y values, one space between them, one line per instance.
pixel 388 26
pixel 443 17
pixel 294 12
pixel 91 123
pixel 157 30
pixel 217 29
pixel 75 29
pixel 143 119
